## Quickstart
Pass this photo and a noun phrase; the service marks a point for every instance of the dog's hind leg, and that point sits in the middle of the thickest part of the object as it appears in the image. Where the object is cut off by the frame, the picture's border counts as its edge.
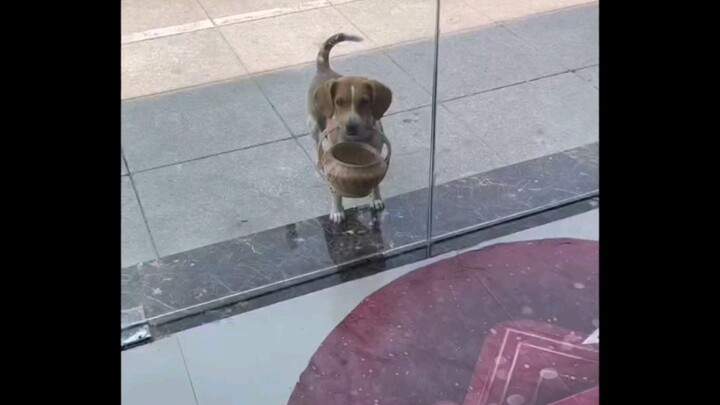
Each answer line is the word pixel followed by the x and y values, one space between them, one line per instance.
pixel 314 129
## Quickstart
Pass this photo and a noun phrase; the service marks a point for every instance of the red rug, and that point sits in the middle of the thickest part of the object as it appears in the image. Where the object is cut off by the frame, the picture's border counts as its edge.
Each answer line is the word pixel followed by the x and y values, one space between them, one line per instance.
pixel 500 325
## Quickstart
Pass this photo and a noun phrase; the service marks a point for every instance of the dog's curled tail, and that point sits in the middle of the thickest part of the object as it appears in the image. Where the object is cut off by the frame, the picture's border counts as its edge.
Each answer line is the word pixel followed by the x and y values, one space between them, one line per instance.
pixel 323 56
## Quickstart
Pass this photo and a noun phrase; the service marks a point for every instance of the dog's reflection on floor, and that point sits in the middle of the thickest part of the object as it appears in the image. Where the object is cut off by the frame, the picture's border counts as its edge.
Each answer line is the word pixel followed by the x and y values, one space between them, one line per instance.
pixel 291 236
pixel 358 240
pixel 358 237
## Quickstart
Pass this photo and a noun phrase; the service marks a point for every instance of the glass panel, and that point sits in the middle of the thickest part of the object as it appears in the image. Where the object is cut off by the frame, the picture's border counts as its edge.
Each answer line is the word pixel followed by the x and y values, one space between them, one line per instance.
pixel 516 136
pixel 517 110
pixel 221 196
pixel 236 134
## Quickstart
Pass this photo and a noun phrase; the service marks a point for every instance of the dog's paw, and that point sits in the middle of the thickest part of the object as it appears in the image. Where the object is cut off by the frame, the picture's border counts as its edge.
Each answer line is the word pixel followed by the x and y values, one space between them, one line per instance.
pixel 337 216
pixel 377 205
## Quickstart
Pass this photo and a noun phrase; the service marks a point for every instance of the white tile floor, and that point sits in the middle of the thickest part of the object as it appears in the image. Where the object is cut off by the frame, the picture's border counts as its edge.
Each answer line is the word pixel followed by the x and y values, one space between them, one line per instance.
pixel 256 357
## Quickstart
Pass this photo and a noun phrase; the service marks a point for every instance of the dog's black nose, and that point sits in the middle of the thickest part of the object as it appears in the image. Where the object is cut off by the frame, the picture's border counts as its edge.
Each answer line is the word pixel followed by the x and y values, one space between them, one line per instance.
pixel 352 128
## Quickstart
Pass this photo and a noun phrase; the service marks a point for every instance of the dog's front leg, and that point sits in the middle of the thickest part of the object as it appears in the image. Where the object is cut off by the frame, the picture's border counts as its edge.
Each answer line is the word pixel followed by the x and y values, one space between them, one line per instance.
pixel 377 202
pixel 337 211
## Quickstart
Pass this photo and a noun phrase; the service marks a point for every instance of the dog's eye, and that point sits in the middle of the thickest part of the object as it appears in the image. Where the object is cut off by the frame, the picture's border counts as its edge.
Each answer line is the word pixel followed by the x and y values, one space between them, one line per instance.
pixel 340 102
pixel 364 101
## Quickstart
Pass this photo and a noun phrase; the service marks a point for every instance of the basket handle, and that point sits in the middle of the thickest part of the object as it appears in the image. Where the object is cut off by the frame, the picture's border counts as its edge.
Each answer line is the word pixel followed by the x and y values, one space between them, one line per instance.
pixel 320 149
pixel 326 132
pixel 386 141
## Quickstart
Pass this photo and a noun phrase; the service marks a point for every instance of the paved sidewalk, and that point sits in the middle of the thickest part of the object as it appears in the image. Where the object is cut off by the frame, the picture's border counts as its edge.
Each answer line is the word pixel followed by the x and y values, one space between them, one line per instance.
pixel 173 44
pixel 209 163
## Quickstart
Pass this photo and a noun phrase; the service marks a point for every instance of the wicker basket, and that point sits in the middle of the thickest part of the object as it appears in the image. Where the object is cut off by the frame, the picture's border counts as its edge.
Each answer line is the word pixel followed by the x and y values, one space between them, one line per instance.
pixel 352 169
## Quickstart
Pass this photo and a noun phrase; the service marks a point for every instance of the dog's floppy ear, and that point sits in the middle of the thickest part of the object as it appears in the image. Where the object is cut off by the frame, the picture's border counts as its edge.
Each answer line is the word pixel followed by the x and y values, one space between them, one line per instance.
pixel 324 96
pixel 382 97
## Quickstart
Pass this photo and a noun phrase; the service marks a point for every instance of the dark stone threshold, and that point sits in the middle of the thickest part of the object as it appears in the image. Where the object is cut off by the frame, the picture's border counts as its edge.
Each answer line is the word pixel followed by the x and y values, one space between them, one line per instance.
pixel 376 266
pixel 213 282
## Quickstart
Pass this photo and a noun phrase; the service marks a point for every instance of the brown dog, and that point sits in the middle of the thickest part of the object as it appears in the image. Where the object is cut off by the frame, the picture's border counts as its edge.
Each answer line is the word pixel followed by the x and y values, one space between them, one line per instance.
pixel 355 103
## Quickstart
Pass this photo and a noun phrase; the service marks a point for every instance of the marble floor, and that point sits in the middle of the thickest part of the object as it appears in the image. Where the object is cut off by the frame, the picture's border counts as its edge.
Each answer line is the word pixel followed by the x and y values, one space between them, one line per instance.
pixel 258 357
